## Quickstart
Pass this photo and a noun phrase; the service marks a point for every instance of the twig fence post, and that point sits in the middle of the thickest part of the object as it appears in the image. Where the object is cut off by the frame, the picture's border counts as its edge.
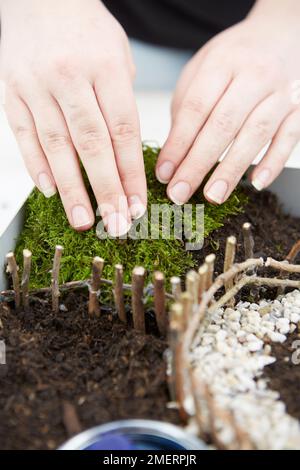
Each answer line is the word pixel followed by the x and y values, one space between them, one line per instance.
pixel 27 257
pixel 12 269
pixel 228 262
pixel 176 287
pixel 55 278
pixel 94 288
pixel 119 294
pixel 138 308
pixel 160 302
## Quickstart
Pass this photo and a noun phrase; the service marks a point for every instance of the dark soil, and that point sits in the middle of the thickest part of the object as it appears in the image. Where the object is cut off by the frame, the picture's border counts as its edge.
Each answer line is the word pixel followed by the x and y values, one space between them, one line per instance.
pixel 274 231
pixel 68 364
pixel 284 374
pixel 68 372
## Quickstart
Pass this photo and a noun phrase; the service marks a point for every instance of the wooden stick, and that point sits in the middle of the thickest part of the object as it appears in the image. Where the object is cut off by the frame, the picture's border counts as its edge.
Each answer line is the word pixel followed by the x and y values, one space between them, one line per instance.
pixel 94 288
pixel 176 287
pixel 210 262
pixel 138 310
pixel 228 262
pixel 293 252
pixel 282 266
pixel 12 269
pixel 119 293
pixel 27 258
pixel 192 285
pixel 177 368
pixel 186 301
pixel 248 241
pixel 202 272
pixel 160 302
pixel 55 278
pixel 70 419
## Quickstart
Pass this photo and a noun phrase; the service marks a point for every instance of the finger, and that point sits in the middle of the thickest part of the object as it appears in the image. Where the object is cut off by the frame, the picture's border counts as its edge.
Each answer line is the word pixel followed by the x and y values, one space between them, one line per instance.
pixel 57 145
pixel 283 144
pixel 259 129
pixel 117 104
pixel 221 128
pixel 92 141
pixel 202 95
pixel 22 124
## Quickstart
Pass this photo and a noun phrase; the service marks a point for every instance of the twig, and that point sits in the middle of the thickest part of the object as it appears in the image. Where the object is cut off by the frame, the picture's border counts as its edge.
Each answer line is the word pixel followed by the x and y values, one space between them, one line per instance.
pixel 138 310
pixel 186 301
pixel 178 369
pixel 282 266
pixel 192 285
pixel 202 271
pixel 160 302
pixel 55 278
pixel 70 419
pixel 229 261
pixel 27 257
pixel 248 241
pixel 295 250
pixel 210 262
pixel 231 293
pixel 94 288
pixel 12 269
pixel 119 294
pixel 176 287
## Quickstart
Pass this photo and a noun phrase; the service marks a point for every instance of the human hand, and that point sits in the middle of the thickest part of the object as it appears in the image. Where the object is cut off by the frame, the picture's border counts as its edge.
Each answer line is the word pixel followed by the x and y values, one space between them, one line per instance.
pixel 68 73
pixel 237 89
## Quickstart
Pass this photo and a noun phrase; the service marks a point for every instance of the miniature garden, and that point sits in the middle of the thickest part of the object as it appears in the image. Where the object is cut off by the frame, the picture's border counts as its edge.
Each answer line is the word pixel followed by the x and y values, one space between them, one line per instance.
pixel 102 330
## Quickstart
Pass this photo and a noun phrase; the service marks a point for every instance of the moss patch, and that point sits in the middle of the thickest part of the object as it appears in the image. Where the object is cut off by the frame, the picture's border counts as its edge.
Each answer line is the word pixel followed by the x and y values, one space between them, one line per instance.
pixel 46 226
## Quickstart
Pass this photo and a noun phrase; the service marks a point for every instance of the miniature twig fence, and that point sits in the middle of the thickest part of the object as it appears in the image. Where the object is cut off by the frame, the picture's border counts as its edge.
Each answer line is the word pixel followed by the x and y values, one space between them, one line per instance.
pixel 198 313
pixel 21 293
pixel 189 311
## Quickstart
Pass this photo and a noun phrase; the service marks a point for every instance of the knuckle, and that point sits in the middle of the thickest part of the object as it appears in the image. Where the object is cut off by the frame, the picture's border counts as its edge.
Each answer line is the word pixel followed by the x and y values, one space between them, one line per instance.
pixel 261 129
pixel 194 105
pixel 124 131
pixel 54 141
pixel 223 122
pixel 22 132
pixel 65 69
pixel 91 139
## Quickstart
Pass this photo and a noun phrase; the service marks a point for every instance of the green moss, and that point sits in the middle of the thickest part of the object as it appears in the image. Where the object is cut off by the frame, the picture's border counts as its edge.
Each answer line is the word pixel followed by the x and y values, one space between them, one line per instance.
pixel 46 226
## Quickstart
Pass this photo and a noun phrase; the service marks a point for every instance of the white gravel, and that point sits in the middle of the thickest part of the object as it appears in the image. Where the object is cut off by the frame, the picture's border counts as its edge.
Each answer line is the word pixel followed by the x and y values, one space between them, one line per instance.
pixel 235 347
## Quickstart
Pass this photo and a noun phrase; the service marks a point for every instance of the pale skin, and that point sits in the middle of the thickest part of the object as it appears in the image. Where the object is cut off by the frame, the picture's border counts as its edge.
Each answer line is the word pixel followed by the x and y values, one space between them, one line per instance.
pixel 69 74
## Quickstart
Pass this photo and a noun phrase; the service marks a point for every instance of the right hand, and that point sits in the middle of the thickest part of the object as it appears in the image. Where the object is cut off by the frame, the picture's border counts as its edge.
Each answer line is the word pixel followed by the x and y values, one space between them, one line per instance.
pixel 68 73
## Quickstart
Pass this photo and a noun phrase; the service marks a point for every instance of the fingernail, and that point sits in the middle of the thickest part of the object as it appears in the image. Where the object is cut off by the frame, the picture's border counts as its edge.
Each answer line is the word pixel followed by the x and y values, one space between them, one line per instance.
pixel 165 172
pixel 80 217
pixel 217 191
pixel 180 193
pixel 117 225
pixel 136 208
pixel 262 179
pixel 46 185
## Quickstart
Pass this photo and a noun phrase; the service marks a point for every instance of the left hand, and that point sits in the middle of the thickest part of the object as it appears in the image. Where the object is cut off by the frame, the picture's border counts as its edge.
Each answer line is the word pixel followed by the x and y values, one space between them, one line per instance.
pixel 240 88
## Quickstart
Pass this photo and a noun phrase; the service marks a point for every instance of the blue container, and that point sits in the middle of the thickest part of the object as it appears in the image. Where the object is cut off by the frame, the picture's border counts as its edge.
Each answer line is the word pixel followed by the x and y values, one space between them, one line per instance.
pixel 135 434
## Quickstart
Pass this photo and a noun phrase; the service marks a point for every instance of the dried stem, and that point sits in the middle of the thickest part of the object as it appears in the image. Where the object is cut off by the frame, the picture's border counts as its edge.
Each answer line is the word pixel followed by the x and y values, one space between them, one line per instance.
pixel 70 419
pixel 12 269
pixel 138 310
pixel 202 272
pixel 27 258
pixel 119 294
pixel 295 250
pixel 210 262
pixel 177 368
pixel 55 278
pixel 282 266
pixel 229 259
pixel 248 241
pixel 160 302
pixel 94 288
pixel 186 301
pixel 176 287
pixel 192 285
